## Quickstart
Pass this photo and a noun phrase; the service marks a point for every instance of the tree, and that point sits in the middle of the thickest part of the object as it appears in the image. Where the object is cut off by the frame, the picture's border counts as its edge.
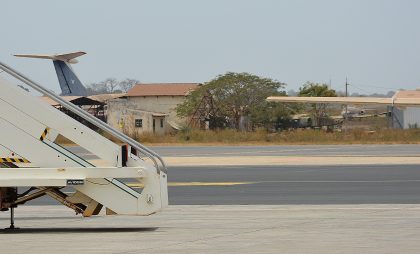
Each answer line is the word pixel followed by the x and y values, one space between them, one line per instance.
pixel 96 88
pixel 127 84
pixel 110 84
pixel 311 89
pixel 236 97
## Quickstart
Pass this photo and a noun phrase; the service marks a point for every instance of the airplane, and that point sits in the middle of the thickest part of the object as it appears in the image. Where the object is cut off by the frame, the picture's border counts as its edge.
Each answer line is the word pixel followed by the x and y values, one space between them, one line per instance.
pixel 33 164
pixel 393 101
pixel 400 101
pixel 69 82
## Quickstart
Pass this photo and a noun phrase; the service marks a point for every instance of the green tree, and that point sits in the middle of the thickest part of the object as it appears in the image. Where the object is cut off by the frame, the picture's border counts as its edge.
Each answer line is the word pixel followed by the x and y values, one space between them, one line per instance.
pixel 311 89
pixel 233 96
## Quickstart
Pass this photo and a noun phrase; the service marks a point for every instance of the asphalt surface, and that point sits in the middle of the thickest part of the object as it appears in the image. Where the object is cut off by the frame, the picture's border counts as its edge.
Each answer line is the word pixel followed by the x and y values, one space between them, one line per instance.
pixel 299 185
pixel 385 184
pixel 241 185
pixel 289 150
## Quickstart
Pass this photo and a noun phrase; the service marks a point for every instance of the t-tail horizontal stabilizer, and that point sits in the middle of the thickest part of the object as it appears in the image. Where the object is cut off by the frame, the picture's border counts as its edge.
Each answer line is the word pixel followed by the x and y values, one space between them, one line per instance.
pixel 69 82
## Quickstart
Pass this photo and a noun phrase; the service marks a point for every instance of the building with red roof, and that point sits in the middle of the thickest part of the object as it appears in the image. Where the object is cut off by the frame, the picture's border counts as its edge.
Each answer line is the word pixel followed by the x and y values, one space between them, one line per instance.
pixel 149 107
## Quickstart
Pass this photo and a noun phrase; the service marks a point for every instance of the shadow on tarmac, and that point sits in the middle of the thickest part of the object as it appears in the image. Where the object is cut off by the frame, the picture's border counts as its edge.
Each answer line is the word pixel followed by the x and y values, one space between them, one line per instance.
pixel 75 230
pixel 45 218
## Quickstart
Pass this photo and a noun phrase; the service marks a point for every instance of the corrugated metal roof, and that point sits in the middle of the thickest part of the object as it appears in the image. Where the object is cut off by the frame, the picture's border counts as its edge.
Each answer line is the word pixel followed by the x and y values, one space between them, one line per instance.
pixel 162 89
pixel 54 103
pixel 78 100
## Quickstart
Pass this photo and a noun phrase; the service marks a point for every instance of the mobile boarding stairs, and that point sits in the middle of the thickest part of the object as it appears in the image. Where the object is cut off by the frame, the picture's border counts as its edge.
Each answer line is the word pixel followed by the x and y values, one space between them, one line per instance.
pixel 30 158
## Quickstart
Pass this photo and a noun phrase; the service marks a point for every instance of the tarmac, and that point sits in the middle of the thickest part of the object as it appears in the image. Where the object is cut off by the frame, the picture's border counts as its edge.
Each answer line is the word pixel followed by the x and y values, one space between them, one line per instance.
pixel 380 150
pixel 219 229
pixel 288 228
pixel 290 161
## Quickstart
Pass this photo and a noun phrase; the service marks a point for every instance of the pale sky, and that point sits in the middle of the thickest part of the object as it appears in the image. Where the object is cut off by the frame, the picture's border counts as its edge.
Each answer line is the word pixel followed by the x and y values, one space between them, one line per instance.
pixel 375 43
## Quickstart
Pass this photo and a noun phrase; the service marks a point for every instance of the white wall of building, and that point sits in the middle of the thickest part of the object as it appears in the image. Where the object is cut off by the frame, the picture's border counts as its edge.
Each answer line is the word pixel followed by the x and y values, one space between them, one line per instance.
pixel 124 118
pixel 162 104
pixel 122 113
pixel 411 117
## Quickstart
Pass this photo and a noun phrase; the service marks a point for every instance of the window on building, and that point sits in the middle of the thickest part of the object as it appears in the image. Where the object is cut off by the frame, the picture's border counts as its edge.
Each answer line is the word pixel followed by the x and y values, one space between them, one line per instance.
pixel 161 123
pixel 139 123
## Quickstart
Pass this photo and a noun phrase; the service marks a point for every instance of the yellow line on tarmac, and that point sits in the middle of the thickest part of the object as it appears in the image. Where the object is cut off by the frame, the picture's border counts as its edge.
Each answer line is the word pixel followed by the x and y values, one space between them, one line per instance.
pixel 178 184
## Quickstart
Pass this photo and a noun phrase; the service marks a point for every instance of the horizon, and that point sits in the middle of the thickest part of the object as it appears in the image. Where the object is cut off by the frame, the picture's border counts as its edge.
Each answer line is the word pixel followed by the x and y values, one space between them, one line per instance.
pixel 375 44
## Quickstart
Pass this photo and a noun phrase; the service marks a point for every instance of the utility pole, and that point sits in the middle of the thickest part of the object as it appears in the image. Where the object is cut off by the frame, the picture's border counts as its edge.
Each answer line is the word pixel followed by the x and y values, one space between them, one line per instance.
pixel 347 84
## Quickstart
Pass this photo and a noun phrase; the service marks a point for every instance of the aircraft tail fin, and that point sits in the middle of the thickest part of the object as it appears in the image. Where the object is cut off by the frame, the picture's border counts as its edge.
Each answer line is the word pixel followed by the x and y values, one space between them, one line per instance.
pixel 69 82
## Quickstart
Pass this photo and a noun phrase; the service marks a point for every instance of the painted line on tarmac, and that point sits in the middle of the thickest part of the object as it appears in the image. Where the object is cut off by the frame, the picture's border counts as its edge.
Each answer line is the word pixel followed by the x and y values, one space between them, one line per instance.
pixel 340 181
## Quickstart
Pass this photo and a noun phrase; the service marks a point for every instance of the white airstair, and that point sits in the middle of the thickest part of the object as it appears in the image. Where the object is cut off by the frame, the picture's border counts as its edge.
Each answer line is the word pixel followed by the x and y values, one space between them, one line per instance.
pixel 31 157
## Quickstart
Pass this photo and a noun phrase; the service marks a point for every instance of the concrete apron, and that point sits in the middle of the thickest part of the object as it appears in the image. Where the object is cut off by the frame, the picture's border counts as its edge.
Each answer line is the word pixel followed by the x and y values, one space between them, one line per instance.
pixel 219 229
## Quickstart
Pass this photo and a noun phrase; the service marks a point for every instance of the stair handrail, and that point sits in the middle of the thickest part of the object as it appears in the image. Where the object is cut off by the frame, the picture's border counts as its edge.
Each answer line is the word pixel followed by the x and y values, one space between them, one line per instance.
pixel 88 117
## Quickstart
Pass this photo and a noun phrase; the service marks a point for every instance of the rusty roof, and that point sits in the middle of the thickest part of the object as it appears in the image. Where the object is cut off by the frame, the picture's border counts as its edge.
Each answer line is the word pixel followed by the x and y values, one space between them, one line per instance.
pixel 162 89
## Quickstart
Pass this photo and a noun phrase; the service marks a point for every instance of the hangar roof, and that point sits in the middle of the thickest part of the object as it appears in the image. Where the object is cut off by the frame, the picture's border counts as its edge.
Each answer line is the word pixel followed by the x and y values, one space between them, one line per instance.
pixel 162 89
pixel 401 98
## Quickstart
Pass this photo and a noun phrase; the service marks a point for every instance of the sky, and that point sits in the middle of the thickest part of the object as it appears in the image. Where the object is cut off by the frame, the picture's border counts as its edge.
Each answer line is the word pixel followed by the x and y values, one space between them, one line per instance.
pixel 374 43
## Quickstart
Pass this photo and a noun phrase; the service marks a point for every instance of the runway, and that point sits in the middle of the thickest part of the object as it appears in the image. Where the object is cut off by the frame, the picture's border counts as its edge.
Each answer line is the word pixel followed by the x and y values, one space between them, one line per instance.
pixel 290 150
pixel 298 185
pixel 281 185
pixel 406 150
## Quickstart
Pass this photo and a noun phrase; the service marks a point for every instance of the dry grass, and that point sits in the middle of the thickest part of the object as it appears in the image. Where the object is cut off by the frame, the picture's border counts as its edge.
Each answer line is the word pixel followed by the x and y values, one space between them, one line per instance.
pixel 356 136
pixel 261 137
